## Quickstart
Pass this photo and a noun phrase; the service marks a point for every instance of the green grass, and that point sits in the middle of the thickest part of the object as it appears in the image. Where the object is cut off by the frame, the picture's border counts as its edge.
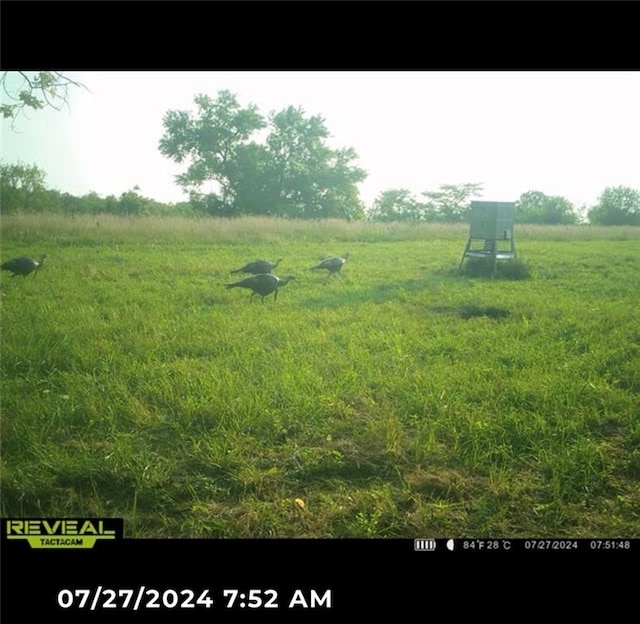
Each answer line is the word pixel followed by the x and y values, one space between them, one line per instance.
pixel 402 398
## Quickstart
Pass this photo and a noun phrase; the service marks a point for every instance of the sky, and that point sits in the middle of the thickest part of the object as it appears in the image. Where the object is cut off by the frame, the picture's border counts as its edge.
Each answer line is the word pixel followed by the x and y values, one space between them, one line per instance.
pixel 568 134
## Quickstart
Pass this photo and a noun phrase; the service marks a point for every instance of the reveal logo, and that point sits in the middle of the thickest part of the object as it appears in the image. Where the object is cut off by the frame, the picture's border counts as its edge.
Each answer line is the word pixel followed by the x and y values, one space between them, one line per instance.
pixel 62 532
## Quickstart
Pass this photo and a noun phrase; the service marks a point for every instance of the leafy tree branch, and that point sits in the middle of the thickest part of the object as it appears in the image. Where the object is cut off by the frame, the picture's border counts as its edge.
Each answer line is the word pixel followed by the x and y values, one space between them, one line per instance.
pixel 33 91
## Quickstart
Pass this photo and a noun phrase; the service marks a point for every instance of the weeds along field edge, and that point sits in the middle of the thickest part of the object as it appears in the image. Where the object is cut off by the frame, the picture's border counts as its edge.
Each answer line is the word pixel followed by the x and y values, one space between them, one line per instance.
pixel 80 230
pixel 400 397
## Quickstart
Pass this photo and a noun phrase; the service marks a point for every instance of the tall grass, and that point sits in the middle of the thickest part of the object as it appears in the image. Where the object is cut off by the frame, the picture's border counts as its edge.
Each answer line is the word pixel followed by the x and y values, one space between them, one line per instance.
pixel 400 398
pixel 27 229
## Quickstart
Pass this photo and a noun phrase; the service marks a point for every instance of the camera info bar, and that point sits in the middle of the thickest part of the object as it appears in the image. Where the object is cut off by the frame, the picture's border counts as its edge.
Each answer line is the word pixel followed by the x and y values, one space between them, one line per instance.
pixel 520 545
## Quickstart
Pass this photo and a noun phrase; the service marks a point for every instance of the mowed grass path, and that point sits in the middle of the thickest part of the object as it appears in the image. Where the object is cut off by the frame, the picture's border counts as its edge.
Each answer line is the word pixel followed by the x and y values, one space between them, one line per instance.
pixel 400 399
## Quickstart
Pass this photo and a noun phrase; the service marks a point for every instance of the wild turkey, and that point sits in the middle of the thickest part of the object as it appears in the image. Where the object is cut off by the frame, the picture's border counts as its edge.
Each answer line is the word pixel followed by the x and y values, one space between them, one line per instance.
pixel 23 265
pixel 333 265
pixel 262 284
pixel 258 266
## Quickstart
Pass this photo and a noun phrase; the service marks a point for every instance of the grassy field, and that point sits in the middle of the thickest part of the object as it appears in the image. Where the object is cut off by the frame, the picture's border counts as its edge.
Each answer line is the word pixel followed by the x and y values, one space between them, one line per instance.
pixel 400 399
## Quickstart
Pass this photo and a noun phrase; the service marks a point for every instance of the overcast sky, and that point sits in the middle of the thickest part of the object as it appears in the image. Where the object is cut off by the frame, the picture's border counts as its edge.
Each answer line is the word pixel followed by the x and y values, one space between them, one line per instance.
pixel 563 133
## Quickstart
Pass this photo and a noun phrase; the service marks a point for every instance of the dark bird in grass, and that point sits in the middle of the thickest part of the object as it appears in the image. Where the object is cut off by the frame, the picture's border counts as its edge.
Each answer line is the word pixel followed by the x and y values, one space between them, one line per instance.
pixel 333 265
pixel 258 266
pixel 23 265
pixel 262 284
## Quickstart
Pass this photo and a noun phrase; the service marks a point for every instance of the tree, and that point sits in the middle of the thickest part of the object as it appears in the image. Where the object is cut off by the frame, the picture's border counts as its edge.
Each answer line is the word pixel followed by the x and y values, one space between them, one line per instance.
pixel 93 204
pixel 292 172
pixel 253 182
pixel 131 203
pixel 311 180
pixel 298 154
pixel 395 205
pixel 335 187
pixel 536 207
pixel 21 188
pixel 22 91
pixel 450 203
pixel 618 205
pixel 209 142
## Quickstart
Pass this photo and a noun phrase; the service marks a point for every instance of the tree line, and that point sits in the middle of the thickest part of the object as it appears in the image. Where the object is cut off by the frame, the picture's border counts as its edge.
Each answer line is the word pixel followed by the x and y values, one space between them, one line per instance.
pixel 238 162
pixel 451 203
pixel 23 189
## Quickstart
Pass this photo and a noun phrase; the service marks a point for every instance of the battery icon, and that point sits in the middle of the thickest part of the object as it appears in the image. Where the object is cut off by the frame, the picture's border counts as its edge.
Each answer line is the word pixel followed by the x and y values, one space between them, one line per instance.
pixel 424 544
